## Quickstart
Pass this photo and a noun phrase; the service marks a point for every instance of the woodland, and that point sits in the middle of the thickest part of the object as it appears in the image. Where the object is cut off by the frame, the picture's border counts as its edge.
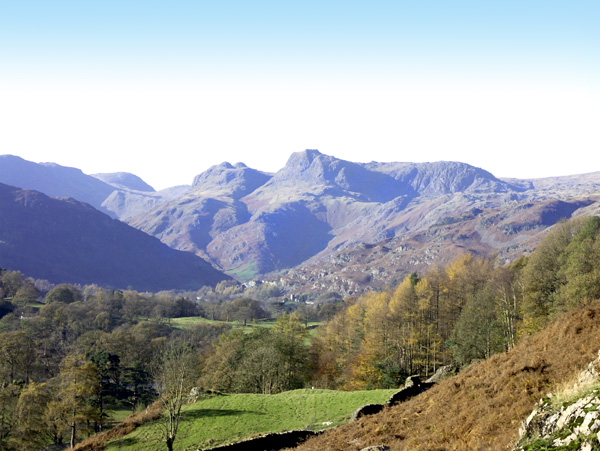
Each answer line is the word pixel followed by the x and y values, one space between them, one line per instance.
pixel 70 355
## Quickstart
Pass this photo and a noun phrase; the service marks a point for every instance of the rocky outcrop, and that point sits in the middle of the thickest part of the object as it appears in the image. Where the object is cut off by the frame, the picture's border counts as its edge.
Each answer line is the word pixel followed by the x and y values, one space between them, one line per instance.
pixel 570 419
pixel 442 373
pixel 376 448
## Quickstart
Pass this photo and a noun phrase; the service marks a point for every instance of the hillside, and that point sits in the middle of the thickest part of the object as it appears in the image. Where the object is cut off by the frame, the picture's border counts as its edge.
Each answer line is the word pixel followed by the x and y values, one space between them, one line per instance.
pixel 63 240
pixel 437 232
pixel 482 407
pixel 54 180
pixel 232 418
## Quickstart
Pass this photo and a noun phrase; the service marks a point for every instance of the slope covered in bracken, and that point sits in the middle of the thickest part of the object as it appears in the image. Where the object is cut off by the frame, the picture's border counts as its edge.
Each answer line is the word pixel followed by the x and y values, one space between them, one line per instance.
pixel 483 406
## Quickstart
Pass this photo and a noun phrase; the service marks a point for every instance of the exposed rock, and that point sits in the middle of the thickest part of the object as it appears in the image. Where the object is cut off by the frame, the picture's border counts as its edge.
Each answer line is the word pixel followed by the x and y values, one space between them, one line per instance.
pixel 442 373
pixel 573 421
pixel 376 448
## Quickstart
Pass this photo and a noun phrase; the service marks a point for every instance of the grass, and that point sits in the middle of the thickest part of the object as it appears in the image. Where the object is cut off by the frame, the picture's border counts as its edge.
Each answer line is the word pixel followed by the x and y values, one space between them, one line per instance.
pixel 244 273
pixel 230 418
pixel 189 322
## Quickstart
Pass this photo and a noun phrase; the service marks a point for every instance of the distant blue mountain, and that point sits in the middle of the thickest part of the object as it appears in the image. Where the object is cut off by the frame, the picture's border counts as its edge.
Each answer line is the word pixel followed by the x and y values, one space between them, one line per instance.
pixel 64 240
pixel 54 180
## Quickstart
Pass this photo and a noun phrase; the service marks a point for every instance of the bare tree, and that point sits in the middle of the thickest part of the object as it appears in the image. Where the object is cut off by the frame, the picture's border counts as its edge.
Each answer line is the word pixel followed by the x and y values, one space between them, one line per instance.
pixel 174 377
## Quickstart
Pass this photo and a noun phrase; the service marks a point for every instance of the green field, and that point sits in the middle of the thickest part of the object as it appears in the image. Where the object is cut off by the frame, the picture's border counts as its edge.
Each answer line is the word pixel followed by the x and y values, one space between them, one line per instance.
pixel 190 322
pixel 230 418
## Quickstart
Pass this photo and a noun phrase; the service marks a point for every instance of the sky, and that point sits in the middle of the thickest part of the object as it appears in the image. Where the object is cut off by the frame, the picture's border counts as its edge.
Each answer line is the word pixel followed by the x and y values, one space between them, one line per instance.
pixel 166 89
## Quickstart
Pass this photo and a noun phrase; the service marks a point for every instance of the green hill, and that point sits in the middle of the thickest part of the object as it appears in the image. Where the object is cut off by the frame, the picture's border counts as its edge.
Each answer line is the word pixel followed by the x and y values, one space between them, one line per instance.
pixel 231 418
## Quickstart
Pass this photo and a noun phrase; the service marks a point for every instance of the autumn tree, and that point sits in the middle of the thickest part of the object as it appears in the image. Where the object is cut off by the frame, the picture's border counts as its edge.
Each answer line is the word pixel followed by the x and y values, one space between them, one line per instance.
pixel 78 382
pixel 290 338
pixel 34 430
pixel 9 393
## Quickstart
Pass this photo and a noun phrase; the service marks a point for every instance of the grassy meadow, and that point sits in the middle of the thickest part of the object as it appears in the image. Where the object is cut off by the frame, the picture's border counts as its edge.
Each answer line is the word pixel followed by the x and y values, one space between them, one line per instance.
pixel 231 418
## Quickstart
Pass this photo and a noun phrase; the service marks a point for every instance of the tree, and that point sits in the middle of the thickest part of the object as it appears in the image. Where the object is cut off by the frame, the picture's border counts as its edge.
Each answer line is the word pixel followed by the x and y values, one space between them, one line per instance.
pixel 174 377
pixel 478 332
pixel 63 293
pixel 109 375
pixel 246 309
pixel 78 382
pixel 541 275
pixel 33 429
pixel 11 281
pixel 26 294
pixel 8 398
pixel 290 335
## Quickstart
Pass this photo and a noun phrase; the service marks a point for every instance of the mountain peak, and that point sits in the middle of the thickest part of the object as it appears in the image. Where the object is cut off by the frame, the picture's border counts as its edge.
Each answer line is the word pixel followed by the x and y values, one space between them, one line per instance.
pixel 226 179
pixel 302 160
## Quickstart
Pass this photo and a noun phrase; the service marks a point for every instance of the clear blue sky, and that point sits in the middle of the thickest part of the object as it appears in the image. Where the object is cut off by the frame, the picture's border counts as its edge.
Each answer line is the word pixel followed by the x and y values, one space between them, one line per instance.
pixel 166 89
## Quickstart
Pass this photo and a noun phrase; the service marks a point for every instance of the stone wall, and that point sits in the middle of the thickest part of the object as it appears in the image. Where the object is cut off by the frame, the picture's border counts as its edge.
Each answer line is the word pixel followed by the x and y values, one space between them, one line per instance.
pixel 269 442
pixel 412 387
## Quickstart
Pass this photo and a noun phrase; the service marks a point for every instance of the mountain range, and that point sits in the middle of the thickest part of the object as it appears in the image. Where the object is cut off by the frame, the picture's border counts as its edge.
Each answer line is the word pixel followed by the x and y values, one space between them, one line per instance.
pixel 324 224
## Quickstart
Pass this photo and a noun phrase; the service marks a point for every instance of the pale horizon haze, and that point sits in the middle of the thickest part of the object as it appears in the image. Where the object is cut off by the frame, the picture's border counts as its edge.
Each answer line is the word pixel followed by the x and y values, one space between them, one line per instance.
pixel 166 89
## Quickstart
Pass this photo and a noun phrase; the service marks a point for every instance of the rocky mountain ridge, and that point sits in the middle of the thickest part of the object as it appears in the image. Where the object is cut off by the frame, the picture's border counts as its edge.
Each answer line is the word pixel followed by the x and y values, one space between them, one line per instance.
pixel 119 194
pixel 321 223
pixel 324 224
pixel 315 205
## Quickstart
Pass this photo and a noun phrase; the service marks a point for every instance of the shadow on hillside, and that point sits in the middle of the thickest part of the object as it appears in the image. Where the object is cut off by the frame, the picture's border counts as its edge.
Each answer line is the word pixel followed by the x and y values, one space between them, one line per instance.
pixel 211 413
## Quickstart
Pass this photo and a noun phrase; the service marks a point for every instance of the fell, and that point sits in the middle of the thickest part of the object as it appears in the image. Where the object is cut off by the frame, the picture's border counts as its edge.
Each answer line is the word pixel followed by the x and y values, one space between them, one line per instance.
pixel 483 406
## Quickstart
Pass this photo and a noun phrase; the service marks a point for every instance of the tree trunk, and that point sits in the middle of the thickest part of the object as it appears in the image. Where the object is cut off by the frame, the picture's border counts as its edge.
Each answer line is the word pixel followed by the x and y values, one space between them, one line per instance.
pixel 73 433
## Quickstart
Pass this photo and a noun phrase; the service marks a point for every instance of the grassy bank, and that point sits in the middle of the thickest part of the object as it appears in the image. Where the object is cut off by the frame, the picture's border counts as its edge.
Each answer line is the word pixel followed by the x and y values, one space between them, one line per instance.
pixel 230 418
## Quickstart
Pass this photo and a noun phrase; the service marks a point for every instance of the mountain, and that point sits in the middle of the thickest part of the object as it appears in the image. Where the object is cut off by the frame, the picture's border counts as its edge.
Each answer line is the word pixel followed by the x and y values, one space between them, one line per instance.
pixel 124 180
pixel 331 224
pixel 124 203
pixel 64 240
pixel 54 180
pixel 119 194
pixel 209 209
pixel 323 224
